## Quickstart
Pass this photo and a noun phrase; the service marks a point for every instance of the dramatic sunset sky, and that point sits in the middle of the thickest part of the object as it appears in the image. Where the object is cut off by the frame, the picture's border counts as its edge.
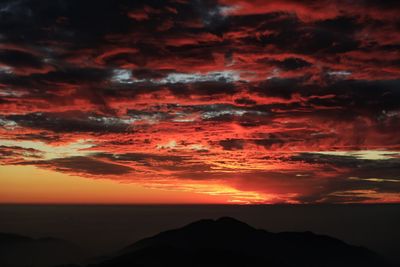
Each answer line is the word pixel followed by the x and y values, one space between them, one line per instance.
pixel 189 101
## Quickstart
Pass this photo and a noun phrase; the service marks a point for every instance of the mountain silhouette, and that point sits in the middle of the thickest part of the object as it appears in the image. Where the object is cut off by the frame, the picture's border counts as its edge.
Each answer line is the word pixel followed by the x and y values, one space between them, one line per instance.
pixel 20 251
pixel 229 242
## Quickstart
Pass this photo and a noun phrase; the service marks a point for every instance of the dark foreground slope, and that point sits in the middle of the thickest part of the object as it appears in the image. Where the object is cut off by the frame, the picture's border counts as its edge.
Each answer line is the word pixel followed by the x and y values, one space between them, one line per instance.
pixel 228 242
pixel 21 251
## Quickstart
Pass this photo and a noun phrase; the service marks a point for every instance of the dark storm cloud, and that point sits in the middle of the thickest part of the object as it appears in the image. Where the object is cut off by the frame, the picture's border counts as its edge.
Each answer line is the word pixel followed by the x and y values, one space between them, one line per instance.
pixel 41 136
pixel 343 24
pixel 232 144
pixel 203 88
pixel 356 95
pixel 245 101
pixel 70 122
pixel 73 76
pixel 63 20
pixel 287 63
pixel 82 165
pixel 278 140
pixel 280 87
pixel 143 157
pixel 11 153
pixel 54 85
pixel 17 59
pixel 82 23
pixel 356 167
pixel 357 179
pixel 356 175
pixel 273 140
pixel 377 95
pixel 98 164
pixel 288 33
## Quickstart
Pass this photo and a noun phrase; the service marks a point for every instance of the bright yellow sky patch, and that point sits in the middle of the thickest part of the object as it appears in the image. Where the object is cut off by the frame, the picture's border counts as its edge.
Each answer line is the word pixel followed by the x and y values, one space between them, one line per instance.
pixel 28 184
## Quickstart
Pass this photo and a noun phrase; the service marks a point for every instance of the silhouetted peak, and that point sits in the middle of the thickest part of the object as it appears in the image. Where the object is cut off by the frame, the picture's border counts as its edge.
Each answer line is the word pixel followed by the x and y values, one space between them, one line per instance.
pixel 223 223
pixel 8 237
pixel 230 242
pixel 231 221
pixel 200 223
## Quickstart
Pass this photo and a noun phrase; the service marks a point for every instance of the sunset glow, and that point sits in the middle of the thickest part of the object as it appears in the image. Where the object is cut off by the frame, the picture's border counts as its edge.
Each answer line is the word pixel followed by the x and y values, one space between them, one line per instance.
pixel 244 102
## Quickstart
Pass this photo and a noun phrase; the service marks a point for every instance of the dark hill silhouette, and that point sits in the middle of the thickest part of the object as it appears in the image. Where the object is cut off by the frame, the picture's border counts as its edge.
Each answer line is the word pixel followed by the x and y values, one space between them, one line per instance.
pixel 21 251
pixel 228 242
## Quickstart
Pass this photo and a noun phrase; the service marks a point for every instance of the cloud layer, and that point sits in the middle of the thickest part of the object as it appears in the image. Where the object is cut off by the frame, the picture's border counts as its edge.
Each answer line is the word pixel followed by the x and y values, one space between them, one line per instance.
pixel 264 101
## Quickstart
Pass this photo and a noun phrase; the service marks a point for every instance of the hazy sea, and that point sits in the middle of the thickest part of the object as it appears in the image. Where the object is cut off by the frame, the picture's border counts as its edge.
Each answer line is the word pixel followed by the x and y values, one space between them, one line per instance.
pixel 101 229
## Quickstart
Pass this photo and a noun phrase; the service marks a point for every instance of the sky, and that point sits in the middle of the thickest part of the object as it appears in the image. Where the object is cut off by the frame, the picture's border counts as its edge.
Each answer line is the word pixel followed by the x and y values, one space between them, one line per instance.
pixel 189 101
